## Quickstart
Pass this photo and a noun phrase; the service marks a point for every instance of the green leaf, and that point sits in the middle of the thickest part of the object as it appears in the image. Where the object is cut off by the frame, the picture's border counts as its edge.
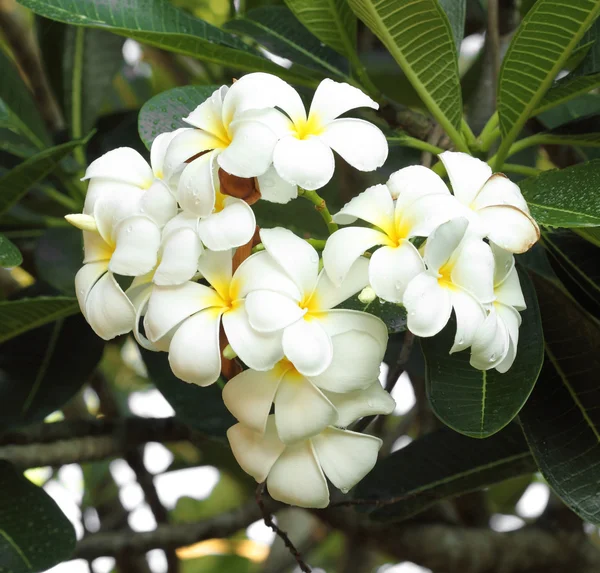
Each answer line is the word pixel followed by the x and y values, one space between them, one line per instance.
pixel 537 52
pixel 160 24
pixel 15 144
pixel 218 563
pixel 456 10
pixel 17 181
pixel 44 368
pixel 201 408
pixel 480 403
pixel 34 533
pixel 329 20
pixel 9 254
pixel 565 90
pixel 581 107
pixel 591 62
pixel 419 37
pixel 19 316
pixel 164 112
pixel 578 139
pixel 17 108
pixel 441 465
pixel 58 256
pixel 591 234
pixel 278 30
pixel 394 315
pixel 562 420
pixel 567 197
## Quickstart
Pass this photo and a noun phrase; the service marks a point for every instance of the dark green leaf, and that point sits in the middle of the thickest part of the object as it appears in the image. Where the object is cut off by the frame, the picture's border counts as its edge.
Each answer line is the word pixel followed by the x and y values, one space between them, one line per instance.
pixel 17 181
pixel 17 108
pixel 479 403
pixel 394 315
pixel 591 62
pixel 58 257
pixel 591 234
pixel 278 30
pixel 538 51
pixel 456 11
pixel 165 111
pixel 19 316
pixel 567 197
pixel 201 408
pixel 9 254
pixel 34 533
pixel 159 23
pixel 15 144
pixel 562 420
pixel 442 465
pixel 582 106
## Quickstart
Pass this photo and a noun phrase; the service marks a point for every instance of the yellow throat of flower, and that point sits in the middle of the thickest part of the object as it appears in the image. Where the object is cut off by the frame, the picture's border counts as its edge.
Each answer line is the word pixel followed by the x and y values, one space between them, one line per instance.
pixel 305 128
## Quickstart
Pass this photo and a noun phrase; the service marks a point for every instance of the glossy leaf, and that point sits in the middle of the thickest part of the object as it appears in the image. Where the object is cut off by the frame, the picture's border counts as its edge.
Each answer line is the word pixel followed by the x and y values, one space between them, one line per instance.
pixel 329 20
pixel 561 420
pixel 277 29
pixel 538 51
pixel 565 90
pixel 591 234
pixel 9 254
pixel 19 316
pixel 441 465
pixel 160 24
pixel 34 533
pixel 201 408
pixel 567 197
pixel 15 183
pixel 394 315
pixel 591 62
pixel 456 10
pixel 480 403
pixel 582 107
pixel 165 112
pixel 419 37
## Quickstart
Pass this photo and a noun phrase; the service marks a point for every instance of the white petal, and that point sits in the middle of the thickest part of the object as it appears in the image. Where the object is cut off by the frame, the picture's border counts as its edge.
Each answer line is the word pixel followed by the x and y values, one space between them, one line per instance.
pixel 473 269
pixel 139 296
pixel 138 241
pixel 421 217
pixel 169 305
pixel 260 271
pixel 490 343
pixel 256 453
pixel 250 152
pixel 374 205
pixel 470 314
pixel 249 396
pixel 159 149
pixel 509 291
pixel 270 311
pixel 301 410
pixel 359 142
pixel 327 295
pixel 95 248
pixel 216 267
pixel 185 145
pixel 504 263
pixel 159 203
pixel 467 174
pixel 411 183
pixel 194 353
pixel 354 405
pixel 296 478
pixel 207 116
pixel 86 278
pixel 391 269
pixel 345 246
pixel 308 163
pixel 274 188
pixel 112 191
pixel 337 321
pixel 307 346
pixel 179 261
pixel 109 210
pixel 511 320
pixel 443 242
pixel 500 190
pixel 196 186
pixel 357 356
pixel 258 350
pixel 346 457
pixel 232 227
pixel 298 258
pixel 332 99
pixel 107 308
pixel 509 227
pixel 123 164
pixel 428 305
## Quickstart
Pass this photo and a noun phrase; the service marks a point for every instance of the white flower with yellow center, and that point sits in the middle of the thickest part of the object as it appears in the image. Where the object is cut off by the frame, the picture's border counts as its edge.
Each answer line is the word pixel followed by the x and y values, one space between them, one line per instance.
pixel 496 340
pixel 306 405
pixel 296 474
pixel 495 206
pixel 301 304
pixel 412 203
pixel 459 277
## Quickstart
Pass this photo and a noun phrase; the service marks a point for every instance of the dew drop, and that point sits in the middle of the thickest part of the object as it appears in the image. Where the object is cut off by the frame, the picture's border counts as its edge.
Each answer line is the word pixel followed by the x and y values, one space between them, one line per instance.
pixel 344 489
pixel 492 358
pixel 398 285
pixel 129 229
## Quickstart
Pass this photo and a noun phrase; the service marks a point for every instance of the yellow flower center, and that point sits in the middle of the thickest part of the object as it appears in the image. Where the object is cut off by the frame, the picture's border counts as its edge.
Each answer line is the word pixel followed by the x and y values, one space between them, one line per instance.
pixel 311 304
pixel 285 368
pixel 307 127
pixel 226 295
pixel 219 201
pixel 445 275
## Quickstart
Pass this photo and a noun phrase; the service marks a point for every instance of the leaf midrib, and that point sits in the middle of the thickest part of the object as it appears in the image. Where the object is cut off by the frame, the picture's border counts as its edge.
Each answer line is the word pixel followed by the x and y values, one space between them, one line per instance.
pixel 20 553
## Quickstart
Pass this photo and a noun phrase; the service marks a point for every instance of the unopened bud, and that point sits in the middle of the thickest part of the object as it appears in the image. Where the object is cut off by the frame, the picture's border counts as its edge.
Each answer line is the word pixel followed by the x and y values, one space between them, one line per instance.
pixel 83 222
pixel 367 295
pixel 229 353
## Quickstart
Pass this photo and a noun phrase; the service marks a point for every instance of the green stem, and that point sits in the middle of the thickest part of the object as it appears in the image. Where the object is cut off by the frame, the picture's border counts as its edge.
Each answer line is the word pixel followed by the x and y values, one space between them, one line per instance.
pixel 489 133
pixel 439 168
pixel 414 143
pixel 320 206
pixel 70 203
pixel 76 91
pixel 521 169
pixel 468 134
pixel 318 244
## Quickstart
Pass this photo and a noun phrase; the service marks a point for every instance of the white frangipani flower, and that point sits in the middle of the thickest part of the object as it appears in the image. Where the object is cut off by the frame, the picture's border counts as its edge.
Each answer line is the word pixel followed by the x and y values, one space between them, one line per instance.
pixel 496 340
pixel 295 474
pixel 459 276
pixel 422 203
pixel 495 206
pixel 305 405
pixel 302 306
